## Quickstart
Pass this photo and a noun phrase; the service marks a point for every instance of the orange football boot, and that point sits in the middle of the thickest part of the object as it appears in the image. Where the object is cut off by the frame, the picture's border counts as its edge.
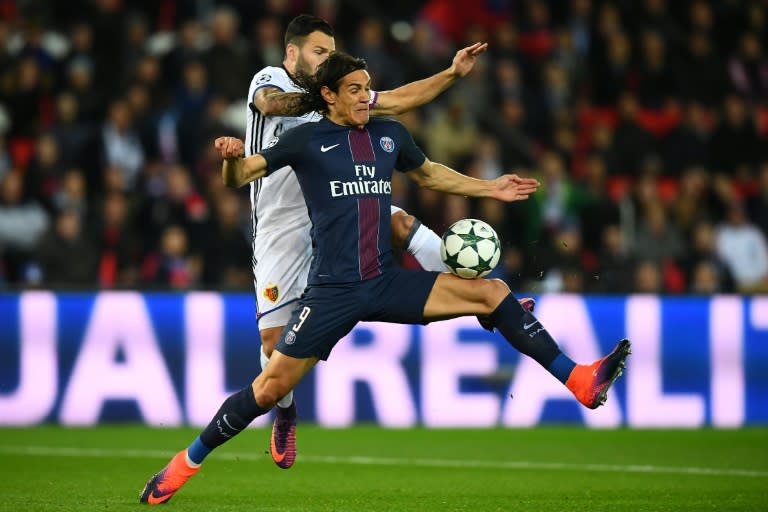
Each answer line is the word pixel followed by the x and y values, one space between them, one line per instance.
pixel 161 487
pixel 283 441
pixel 590 382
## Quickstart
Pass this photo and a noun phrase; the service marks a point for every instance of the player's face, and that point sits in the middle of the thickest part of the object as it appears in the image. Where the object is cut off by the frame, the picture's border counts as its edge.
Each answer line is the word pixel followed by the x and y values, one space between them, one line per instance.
pixel 350 105
pixel 315 50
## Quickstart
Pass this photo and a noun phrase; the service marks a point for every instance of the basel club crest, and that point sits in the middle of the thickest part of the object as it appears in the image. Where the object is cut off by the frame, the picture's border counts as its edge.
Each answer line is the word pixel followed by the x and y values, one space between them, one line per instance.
pixel 271 293
pixel 387 144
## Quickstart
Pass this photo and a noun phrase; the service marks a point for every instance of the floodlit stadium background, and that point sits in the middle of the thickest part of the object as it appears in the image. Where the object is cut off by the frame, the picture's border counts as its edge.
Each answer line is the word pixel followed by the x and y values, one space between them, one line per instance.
pixel 645 121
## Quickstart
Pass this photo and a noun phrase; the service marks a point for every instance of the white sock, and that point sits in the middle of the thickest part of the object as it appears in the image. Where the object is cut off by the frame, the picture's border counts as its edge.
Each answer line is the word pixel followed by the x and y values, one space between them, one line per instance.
pixel 287 400
pixel 424 244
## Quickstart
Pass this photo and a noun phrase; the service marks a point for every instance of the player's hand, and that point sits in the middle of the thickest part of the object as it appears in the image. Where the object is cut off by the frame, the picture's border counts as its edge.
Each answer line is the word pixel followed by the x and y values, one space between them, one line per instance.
pixel 230 147
pixel 511 187
pixel 465 58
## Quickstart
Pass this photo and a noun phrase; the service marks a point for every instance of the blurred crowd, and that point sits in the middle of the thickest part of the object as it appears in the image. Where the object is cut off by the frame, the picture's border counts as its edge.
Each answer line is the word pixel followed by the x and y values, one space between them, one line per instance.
pixel 646 122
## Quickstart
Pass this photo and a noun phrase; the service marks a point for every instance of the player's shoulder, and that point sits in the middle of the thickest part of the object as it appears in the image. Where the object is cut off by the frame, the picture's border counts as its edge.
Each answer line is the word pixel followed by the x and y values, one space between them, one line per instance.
pixel 384 122
pixel 305 128
pixel 271 76
pixel 386 125
pixel 297 134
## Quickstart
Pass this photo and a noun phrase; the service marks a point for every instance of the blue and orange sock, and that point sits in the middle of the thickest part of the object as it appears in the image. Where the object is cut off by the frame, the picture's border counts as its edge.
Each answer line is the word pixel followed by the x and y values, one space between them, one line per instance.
pixel 236 413
pixel 197 451
pixel 524 332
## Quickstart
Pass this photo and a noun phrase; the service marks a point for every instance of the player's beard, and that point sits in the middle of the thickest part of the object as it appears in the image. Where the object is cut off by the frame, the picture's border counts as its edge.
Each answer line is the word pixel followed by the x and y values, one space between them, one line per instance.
pixel 302 67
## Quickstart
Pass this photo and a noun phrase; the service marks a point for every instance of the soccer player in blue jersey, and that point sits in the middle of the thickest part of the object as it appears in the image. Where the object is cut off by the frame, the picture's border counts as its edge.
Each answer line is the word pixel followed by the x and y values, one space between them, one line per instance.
pixel 344 164
pixel 281 245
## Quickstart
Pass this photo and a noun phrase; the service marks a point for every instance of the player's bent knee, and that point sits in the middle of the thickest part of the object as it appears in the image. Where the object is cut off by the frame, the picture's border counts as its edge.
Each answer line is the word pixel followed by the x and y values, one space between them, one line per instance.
pixel 494 291
pixel 269 339
pixel 402 223
pixel 268 390
pixel 500 286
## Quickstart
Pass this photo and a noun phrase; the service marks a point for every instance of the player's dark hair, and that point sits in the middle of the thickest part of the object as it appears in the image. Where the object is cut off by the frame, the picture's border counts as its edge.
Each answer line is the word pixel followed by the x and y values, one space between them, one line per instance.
pixel 329 74
pixel 303 25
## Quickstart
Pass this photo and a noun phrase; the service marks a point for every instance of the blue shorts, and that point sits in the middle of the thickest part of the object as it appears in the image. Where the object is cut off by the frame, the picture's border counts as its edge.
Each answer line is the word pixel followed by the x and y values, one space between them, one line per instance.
pixel 327 313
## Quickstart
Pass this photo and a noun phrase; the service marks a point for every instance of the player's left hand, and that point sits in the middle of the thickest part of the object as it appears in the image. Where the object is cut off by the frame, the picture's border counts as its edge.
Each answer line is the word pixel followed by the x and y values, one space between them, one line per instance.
pixel 230 147
pixel 511 187
pixel 465 58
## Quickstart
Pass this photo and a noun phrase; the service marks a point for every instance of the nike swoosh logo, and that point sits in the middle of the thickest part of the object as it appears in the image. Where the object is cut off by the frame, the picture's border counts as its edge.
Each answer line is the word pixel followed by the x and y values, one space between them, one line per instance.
pixel 324 149
pixel 276 455
pixel 228 424
pixel 155 498
pixel 528 326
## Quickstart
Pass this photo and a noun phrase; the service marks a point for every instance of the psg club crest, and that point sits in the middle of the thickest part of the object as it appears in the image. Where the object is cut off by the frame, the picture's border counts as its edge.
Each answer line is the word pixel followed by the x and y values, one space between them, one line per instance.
pixel 271 293
pixel 290 338
pixel 387 144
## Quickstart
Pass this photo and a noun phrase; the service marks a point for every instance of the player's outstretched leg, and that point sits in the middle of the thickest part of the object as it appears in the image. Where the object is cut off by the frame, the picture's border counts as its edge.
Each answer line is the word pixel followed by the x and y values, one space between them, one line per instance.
pixel 163 485
pixel 590 382
pixel 283 441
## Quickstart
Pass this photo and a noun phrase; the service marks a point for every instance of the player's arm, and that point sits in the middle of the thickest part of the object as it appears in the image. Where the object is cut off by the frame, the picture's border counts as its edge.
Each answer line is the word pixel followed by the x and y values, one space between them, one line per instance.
pixel 415 94
pixel 509 187
pixel 236 171
pixel 271 101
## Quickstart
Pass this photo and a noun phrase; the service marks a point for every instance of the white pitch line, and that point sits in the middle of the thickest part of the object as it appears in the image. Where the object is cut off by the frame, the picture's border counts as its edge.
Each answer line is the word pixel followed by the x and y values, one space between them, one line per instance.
pixel 51 451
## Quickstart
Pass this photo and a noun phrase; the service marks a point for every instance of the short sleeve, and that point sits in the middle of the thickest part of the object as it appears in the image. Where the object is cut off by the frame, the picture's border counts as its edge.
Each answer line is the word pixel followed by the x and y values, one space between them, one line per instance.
pixel 410 155
pixel 271 77
pixel 287 149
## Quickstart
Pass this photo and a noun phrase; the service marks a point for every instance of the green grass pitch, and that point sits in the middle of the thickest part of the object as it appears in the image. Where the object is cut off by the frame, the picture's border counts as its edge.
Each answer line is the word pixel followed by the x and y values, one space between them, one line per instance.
pixel 370 469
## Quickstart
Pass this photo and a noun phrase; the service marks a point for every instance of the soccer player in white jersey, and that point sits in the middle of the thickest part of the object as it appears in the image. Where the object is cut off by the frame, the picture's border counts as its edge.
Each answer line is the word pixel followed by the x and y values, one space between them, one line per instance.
pixel 281 227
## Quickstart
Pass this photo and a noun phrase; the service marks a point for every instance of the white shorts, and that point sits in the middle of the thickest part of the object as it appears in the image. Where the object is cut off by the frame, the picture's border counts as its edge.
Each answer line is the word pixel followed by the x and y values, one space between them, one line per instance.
pixel 281 267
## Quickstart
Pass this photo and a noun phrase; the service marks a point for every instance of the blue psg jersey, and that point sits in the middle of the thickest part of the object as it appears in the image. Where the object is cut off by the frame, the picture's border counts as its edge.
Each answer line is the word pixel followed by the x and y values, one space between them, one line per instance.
pixel 345 174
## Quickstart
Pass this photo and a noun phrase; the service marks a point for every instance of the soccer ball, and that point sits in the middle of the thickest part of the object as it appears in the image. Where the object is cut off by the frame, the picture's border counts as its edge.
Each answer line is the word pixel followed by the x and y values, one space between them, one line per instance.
pixel 470 248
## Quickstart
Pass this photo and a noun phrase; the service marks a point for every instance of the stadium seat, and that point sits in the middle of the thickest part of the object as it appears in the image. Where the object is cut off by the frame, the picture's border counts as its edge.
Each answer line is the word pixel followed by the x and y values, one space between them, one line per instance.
pixel 21 150
pixel 619 186
pixel 659 122
pixel 537 44
pixel 674 278
pixel 587 118
pixel 108 269
pixel 590 116
pixel 761 119
pixel 668 189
